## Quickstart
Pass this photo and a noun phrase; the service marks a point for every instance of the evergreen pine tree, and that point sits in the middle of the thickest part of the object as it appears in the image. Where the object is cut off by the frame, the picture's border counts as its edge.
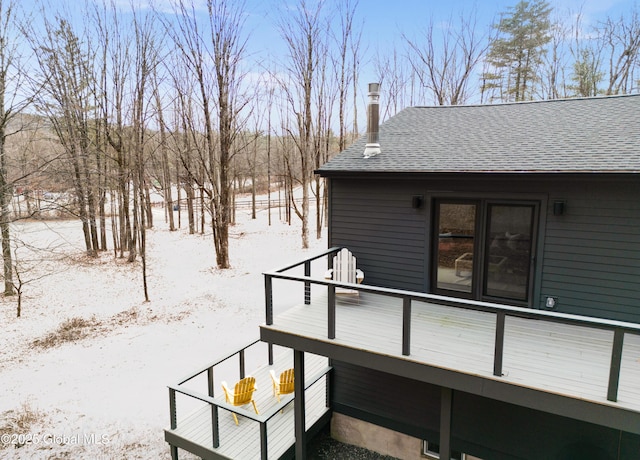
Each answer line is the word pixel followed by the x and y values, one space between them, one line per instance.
pixel 515 54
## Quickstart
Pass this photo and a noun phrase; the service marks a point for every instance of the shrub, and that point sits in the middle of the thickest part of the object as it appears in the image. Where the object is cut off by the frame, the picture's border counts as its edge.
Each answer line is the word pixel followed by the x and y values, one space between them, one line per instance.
pixel 69 330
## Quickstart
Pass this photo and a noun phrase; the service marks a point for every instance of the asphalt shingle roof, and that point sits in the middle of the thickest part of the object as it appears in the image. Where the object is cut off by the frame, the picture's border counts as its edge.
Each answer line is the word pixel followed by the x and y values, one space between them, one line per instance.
pixel 584 135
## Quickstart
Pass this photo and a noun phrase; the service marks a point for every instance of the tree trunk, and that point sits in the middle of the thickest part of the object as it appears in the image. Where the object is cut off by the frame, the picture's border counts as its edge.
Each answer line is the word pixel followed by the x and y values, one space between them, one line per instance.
pixel 5 213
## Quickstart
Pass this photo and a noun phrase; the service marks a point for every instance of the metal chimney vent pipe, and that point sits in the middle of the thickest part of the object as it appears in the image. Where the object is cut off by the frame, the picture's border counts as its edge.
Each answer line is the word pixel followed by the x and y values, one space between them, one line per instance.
pixel 373 122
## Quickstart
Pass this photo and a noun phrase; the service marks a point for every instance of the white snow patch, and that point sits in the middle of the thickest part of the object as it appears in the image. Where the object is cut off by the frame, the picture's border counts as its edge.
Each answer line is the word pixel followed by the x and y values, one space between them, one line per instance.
pixel 105 396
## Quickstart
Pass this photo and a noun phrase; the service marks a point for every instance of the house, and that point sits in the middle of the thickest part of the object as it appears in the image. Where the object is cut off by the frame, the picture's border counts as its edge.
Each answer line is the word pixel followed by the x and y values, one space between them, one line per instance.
pixel 558 179
pixel 503 210
pixel 500 313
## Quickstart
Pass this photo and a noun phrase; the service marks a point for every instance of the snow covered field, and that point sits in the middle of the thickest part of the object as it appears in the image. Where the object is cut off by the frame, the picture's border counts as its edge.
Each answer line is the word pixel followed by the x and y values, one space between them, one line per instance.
pixel 104 395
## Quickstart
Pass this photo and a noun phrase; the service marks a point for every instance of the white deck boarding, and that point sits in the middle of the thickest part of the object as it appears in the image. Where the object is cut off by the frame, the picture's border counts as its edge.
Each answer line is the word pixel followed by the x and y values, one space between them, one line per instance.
pixel 568 360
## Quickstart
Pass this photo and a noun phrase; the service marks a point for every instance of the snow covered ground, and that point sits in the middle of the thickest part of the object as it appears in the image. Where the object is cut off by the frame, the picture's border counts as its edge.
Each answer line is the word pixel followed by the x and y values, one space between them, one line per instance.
pixel 104 396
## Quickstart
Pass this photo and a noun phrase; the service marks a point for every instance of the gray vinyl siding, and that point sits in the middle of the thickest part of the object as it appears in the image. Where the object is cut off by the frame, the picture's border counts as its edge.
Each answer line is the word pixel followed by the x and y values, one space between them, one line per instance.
pixel 480 426
pixel 417 415
pixel 588 258
pixel 591 259
pixel 378 224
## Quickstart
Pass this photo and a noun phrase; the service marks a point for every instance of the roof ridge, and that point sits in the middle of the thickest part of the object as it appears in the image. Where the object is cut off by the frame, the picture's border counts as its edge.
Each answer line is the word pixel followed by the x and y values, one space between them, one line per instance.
pixel 537 101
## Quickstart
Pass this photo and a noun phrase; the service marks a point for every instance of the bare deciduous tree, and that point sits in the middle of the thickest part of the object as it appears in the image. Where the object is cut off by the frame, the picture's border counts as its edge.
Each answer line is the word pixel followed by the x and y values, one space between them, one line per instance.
pixel 326 93
pixel 67 80
pixel 215 61
pixel 587 62
pixel 394 75
pixel 622 40
pixel 146 59
pixel 446 66
pixel 11 104
pixel 28 266
pixel 165 164
pixel 553 83
pixel 348 44
pixel 302 32
pixel 115 36
pixel 229 48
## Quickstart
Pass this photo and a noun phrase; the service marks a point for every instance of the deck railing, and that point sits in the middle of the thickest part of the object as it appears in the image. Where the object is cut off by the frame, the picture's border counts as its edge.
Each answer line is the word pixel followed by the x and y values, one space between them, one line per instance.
pixel 619 328
pixel 216 404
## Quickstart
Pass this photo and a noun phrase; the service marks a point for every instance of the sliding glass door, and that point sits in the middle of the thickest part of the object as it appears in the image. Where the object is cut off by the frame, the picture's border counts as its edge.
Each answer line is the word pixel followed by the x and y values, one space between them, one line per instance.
pixel 508 255
pixel 484 249
pixel 456 241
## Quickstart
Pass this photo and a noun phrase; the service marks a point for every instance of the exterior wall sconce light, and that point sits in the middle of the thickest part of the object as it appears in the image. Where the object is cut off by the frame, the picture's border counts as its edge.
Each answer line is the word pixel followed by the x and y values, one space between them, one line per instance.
pixel 416 201
pixel 558 208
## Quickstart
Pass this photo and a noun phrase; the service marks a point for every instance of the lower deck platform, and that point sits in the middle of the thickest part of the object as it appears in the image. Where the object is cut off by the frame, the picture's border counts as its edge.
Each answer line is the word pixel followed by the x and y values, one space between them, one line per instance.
pixel 194 430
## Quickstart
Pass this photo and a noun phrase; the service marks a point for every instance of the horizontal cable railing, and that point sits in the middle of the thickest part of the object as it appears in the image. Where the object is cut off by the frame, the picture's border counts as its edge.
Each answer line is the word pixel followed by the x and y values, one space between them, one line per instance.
pixel 406 298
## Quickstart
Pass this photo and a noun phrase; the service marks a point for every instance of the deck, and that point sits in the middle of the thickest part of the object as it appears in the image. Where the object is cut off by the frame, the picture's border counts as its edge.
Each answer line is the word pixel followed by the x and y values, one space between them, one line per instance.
pixel 572 366
pixel 194 420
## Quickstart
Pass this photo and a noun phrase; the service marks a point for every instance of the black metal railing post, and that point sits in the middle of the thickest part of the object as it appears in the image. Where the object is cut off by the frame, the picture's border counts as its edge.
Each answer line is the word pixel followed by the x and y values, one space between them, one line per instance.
pixel 215 428
pixel 242 364
pixel 268 299
pixel 327 388
pixel 616 361
pixel 406 326
pixel 331 313
pixel 268 303
pixel 307 284
pixel 215 433
pixel 499 344
pixel 172 408
pixel 210 381
pixel 263 441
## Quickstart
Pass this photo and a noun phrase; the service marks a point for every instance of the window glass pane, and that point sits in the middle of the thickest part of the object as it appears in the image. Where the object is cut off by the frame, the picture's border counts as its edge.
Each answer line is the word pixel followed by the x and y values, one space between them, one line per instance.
pixel 509 251
pixel 456 231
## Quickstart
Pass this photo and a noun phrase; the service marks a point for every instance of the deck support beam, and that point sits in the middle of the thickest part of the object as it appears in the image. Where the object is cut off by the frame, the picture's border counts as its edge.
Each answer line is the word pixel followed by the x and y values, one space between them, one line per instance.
pixel 446 405
pixel 264 442
pixel 299 405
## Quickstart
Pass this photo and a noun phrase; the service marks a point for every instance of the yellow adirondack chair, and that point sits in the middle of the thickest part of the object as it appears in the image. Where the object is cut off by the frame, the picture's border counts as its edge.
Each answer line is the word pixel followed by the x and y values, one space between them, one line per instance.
pixel 242 394
pixel 284 385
